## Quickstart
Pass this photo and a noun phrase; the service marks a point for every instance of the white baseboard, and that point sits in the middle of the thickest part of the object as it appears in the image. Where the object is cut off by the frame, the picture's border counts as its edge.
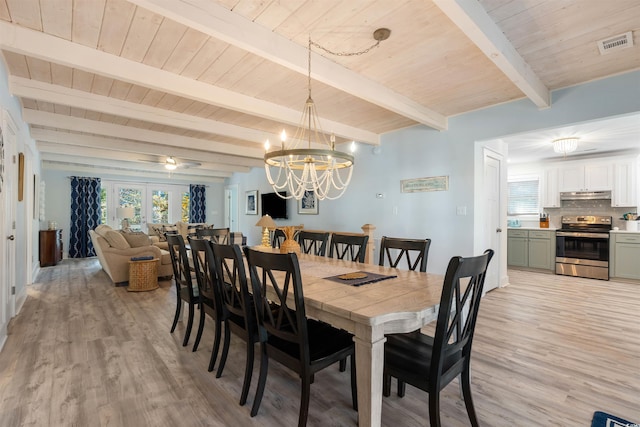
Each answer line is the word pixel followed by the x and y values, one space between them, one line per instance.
pixel 20 300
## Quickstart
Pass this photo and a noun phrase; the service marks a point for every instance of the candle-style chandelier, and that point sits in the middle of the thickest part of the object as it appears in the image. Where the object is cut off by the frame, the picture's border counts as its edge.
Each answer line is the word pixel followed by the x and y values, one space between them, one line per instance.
pixel 319 167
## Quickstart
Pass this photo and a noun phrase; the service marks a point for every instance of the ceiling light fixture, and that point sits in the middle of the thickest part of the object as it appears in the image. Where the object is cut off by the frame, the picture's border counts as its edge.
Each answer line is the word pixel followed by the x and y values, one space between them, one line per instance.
pixel 565 145
pixel 324 171
pixel 170 164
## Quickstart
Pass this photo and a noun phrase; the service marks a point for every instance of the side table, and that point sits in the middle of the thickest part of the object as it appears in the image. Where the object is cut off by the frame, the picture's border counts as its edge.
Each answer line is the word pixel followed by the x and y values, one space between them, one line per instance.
pixel 143 275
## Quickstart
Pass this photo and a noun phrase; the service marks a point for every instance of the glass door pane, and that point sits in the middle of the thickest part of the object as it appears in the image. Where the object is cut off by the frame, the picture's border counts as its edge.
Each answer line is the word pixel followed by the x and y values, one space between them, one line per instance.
pixel 131 196
pixel 159 206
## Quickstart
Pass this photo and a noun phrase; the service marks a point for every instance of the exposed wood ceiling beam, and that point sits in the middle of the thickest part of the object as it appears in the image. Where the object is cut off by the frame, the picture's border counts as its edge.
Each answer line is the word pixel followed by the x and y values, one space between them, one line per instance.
pixel 215 20
pixel 48 48
pixel 124 150
pixel 34 89
pixel 42 118
pixel 82 168
pixel 116 160
pixel 473 20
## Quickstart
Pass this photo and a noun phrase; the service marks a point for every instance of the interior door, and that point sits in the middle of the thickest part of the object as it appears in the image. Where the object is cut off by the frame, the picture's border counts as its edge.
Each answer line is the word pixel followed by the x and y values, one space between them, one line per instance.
pixel 8 223
pixel 492 217
pixel 231 207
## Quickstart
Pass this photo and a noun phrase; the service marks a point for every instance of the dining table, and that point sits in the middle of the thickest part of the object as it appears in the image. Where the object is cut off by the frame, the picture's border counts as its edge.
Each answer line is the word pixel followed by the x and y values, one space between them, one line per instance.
pixel 385 301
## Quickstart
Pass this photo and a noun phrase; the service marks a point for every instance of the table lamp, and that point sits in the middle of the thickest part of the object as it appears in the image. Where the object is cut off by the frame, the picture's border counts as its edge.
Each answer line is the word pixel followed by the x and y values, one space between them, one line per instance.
pixel 266 222
pixel 125 213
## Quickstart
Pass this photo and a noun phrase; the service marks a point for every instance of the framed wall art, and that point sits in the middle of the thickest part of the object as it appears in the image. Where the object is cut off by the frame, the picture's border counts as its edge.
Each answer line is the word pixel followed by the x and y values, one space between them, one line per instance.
pixel 432 183
pixel 308 205
pixel 252 202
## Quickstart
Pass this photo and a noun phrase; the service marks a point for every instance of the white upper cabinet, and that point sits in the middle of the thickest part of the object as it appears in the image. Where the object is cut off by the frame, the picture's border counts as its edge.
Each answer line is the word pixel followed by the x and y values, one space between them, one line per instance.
pixel 586 177
pixel 625 190
pixel 550 193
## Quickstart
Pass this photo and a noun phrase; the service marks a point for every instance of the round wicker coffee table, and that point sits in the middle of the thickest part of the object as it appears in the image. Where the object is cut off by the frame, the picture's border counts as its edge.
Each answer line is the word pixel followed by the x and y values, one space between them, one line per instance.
pixel 143 275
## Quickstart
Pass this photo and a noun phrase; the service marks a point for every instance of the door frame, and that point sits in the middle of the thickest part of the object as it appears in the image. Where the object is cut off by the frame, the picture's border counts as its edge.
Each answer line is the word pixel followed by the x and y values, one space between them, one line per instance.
pixel 231 207
pixel 482 238
pixel 8 199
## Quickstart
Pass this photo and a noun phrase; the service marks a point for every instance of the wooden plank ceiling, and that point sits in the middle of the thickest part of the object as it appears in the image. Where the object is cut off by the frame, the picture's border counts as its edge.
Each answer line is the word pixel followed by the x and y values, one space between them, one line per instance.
pixel 117 83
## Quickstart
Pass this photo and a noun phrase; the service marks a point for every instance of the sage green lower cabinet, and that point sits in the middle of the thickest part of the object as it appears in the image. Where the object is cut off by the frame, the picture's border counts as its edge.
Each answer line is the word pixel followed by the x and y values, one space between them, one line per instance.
pixel 531 248
pixel 625 255
pixel 517 248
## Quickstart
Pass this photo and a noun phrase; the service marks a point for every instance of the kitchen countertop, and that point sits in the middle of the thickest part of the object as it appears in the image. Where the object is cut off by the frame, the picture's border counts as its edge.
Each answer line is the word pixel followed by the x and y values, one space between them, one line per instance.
pixel 532 228
pixel 625 232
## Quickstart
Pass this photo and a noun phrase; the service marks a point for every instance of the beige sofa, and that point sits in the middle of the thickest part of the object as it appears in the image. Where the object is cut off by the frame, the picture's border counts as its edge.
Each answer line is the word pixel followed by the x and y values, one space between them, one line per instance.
pixel 156 232
pixel 114 253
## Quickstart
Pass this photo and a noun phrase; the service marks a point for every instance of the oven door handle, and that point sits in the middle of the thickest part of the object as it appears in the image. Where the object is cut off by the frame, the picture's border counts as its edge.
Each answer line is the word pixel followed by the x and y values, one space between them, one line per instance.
pixel 586 235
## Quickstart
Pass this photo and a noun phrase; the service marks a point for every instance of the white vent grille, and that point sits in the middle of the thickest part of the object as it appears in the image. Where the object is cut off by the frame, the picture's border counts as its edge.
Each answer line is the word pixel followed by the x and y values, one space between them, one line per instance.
pixel 614 43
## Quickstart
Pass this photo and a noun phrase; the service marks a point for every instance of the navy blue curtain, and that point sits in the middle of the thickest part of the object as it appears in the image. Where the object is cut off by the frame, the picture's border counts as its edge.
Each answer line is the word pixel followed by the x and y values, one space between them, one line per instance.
pixel 197 205
pixel 85 215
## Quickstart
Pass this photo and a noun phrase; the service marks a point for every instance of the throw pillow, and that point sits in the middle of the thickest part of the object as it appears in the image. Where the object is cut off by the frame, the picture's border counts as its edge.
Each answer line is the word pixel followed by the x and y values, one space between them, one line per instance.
pixel 102 229
pixel 155 229
pixel 116 240
pixel 137 239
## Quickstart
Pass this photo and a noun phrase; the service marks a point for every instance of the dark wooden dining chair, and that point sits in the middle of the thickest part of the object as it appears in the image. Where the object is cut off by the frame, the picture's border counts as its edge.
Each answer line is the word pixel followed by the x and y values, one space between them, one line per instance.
pixel 238 313
pixel 210 301
pixel 415 251
pixel 278 238
pixel 312 242
pixel 303 345
pixel 349 247
pixel 185 291
pixel 217 235
pixel 430 363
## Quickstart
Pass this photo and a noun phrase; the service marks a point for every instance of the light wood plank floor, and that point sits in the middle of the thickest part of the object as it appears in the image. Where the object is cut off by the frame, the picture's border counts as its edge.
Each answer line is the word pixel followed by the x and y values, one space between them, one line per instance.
pixel 549 351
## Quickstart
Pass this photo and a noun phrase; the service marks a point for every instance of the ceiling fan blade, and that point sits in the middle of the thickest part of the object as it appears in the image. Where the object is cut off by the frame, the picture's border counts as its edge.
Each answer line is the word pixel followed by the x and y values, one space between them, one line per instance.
pixel 189 164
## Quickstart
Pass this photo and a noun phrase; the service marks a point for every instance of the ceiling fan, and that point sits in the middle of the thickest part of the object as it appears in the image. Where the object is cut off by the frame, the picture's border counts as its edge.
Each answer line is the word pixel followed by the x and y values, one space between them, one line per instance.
pixel 171 163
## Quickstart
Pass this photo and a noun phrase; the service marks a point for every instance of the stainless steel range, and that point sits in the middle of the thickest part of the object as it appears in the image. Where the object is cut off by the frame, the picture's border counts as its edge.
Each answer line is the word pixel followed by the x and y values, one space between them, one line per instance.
pixel 582 246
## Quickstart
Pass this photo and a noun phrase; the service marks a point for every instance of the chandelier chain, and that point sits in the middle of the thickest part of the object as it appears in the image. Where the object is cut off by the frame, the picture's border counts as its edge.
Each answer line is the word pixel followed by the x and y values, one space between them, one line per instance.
pixel 362 52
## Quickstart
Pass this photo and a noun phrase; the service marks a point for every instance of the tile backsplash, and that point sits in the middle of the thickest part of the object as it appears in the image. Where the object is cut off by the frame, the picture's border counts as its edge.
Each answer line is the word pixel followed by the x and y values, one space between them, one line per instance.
pixel 587 207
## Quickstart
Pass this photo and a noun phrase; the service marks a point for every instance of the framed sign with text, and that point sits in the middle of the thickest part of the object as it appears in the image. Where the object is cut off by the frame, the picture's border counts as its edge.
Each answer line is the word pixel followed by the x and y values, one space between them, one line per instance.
pixel 432 183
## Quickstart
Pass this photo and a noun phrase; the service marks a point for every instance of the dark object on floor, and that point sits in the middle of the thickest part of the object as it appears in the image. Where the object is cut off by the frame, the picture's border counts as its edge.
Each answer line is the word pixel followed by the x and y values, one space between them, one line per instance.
pixel 602 419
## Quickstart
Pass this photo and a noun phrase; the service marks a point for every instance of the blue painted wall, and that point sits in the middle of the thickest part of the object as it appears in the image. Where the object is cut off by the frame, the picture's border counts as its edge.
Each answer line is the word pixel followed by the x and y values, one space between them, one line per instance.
pixel 420 152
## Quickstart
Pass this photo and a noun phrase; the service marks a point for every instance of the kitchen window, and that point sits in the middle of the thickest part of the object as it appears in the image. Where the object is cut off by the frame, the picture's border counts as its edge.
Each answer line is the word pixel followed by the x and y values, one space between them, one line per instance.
pixel 523 196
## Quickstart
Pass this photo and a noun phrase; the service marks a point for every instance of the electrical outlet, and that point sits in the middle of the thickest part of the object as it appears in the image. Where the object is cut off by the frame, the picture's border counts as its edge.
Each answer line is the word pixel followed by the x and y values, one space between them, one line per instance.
pixel 461 210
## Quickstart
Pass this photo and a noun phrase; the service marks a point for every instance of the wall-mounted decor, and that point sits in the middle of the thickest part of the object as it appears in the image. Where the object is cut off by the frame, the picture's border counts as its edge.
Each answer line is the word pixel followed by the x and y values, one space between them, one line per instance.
pixel 252 202
pixel 308 205
pixel 432 183
pixel 20 177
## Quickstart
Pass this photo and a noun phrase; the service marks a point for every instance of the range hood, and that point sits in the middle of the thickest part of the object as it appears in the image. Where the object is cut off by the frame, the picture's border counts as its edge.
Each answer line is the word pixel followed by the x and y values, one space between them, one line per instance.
pixel 585 195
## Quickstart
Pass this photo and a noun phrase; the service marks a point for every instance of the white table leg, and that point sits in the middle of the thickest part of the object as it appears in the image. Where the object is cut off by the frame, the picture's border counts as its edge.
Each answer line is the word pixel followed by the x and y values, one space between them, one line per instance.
pixel 369 368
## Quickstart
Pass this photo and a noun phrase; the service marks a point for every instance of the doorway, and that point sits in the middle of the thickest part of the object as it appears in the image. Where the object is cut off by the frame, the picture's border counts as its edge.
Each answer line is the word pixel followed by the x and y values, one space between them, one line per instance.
pixel 231 207
pixel 492 197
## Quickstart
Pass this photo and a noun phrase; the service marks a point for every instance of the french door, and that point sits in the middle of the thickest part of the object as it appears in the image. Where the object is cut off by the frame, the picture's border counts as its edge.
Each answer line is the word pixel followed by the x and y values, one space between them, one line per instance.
pixel 152 202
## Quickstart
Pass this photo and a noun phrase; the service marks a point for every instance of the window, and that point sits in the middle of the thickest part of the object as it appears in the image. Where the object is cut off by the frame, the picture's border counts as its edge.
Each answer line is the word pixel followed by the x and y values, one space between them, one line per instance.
pixel 156 203
pixel 523 196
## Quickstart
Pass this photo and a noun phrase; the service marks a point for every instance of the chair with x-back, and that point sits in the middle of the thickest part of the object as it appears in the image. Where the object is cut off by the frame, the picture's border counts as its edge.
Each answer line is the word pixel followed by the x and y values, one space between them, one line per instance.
pixel 303 345
pixel 238 312
pixel 415 251
pixel 313 242
pixel 217 235
pixel 430 363
pixel 278 238
pixel 348 246
pixel 210 301
pixel 185 290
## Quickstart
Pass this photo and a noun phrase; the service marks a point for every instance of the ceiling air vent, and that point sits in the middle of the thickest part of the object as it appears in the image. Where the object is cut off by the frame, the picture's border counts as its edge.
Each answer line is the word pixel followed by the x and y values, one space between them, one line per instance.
pixel 614 43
